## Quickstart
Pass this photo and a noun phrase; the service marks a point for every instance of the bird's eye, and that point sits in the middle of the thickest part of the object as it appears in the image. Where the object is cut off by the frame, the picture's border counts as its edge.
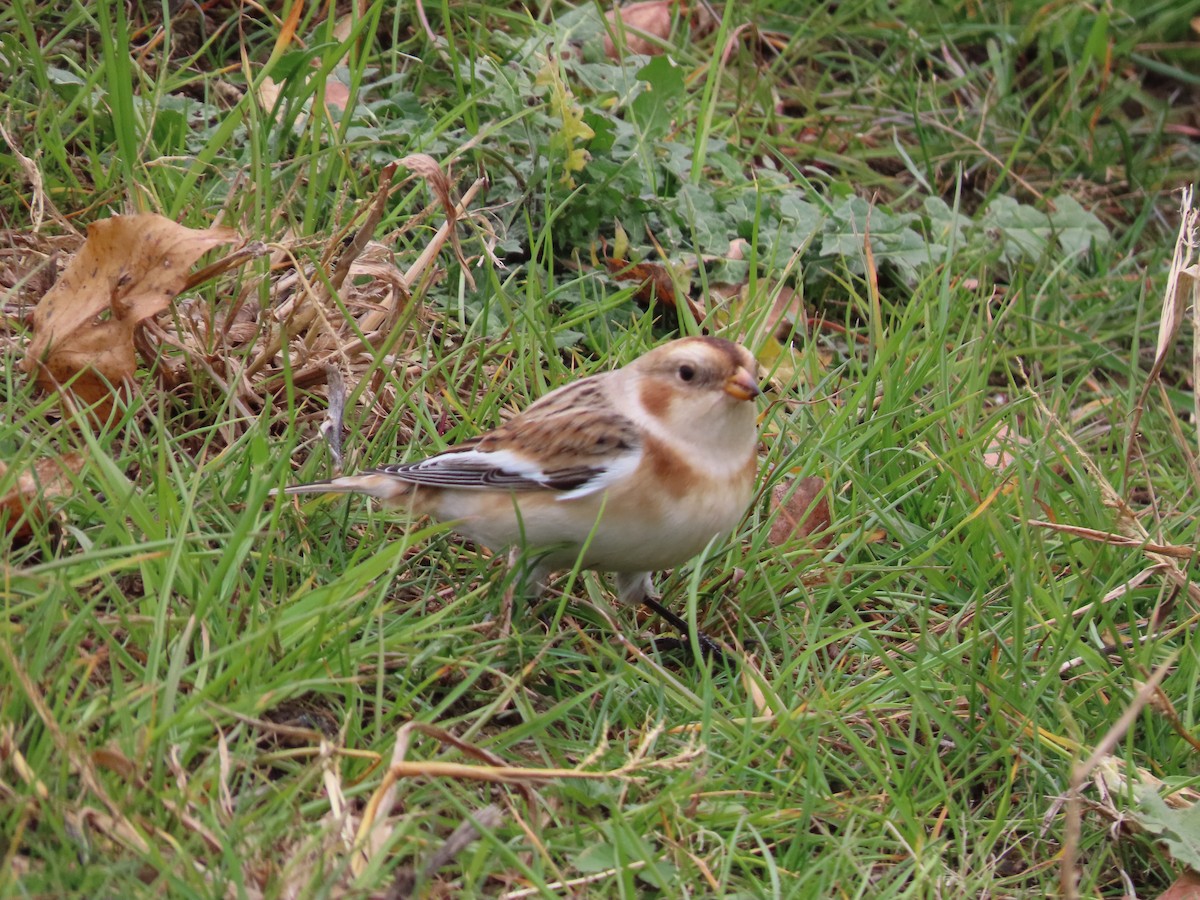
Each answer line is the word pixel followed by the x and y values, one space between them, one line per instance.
pixel 686 372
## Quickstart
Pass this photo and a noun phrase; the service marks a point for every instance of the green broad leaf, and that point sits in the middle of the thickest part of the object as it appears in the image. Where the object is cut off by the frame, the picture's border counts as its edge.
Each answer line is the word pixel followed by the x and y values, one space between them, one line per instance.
pixel 893 240
pixel 1078 230
pixel 653 110
pixel 604 856
pixel 799 220
pixel 1021 231
pixel 604 132
pixel 695 205
pixel 1028 233
pixel 596 858
pixel 1177 829
pixel 67 84
pixel 170 130
pixel 583 25
pixel 943 224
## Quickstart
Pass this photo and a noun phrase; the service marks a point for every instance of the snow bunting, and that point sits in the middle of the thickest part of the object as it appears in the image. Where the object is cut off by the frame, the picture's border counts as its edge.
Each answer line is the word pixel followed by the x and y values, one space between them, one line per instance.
pixel 628 471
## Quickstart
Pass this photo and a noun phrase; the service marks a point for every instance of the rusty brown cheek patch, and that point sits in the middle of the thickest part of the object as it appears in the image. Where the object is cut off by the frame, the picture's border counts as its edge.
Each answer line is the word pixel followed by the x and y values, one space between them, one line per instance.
pixel 655 397
pixel 669 470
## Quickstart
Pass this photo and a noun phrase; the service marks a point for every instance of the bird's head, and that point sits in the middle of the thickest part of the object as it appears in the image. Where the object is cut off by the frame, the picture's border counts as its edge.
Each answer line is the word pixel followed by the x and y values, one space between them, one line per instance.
pixel 699 388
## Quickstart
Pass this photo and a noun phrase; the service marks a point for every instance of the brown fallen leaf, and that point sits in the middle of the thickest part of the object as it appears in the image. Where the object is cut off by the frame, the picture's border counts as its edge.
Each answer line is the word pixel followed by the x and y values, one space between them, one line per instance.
pixel 654 278
pixel 1002 453
pixel 268 93
pixel 129 269
pixel 800 513
pixel 115 761
pixel 27 499
pixel 1185 887
pixel 639 28
pixel 336 96
pixel 781 323
pixel 787 312
pixel 657 279
pixel 789 366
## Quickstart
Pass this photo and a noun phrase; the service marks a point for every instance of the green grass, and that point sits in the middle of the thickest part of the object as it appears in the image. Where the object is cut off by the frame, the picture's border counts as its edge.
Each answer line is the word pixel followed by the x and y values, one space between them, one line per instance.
pixel 201 689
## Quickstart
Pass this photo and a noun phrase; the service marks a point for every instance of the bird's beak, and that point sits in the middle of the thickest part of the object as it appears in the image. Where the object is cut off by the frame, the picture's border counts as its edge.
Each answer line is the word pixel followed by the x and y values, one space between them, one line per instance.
pixel 742 386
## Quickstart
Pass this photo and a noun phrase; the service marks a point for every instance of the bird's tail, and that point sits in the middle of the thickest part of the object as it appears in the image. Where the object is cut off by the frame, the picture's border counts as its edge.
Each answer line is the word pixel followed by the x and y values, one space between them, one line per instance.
pixel 375 484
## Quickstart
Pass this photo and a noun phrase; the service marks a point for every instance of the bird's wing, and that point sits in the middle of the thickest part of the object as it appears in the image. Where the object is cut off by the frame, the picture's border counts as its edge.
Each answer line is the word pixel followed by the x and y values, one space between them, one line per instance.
pixel 570 441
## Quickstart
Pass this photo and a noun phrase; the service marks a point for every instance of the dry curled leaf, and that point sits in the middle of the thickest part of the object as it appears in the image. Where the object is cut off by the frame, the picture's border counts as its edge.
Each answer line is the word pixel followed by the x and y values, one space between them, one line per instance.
pixel 27 498
pixel 639 27
pixel 427 167
pixel 800 513
pixel 656 284
pixel 787 311
pixel 129 269
pixel 114 760
pixel 268 93
pixel 337 95
pixel 439 183
pixel 780 323
pixel 1001 452
pixel 1185 887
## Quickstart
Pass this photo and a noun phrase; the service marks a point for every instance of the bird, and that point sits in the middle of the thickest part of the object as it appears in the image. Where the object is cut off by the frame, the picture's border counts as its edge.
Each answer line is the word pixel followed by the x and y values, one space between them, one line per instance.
pixel 628 471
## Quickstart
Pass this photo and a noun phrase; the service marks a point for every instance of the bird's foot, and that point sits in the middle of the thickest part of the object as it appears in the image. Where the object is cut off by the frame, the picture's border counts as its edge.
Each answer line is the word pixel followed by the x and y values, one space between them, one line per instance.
pixel 708 647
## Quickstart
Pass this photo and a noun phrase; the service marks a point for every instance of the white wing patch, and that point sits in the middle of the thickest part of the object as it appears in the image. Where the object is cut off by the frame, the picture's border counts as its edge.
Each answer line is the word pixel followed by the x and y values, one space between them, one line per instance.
pixel 617 467
pixel 506 470
pixel 470 469
pixel 496 468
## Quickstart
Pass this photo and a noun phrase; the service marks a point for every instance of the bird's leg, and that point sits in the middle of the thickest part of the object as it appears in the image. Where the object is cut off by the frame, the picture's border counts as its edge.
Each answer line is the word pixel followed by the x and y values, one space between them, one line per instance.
pixel 529 582
pixel 637 587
